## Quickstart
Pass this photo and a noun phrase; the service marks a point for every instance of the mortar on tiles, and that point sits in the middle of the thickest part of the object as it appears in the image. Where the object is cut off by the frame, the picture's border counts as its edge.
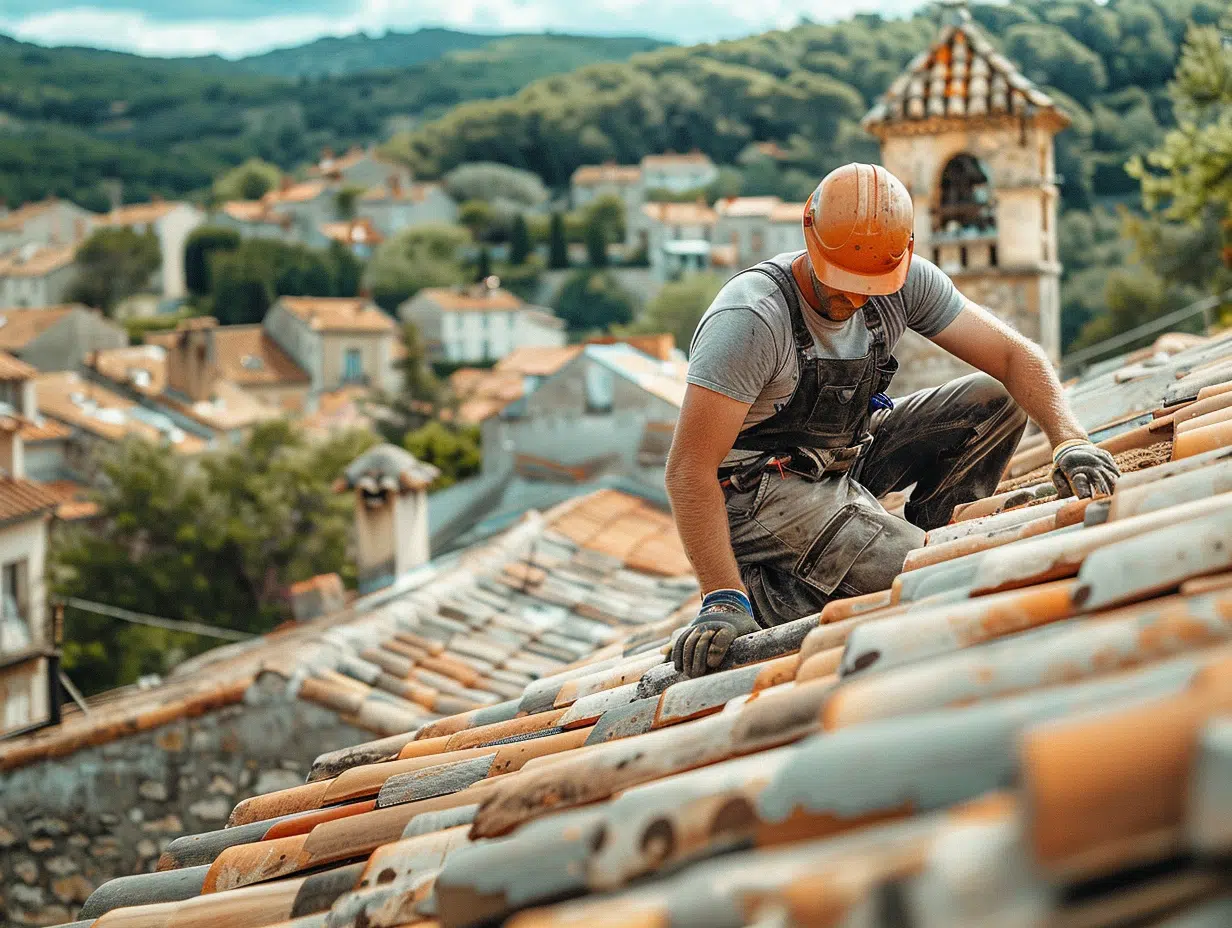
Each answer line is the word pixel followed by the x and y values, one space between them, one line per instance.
pixel 69 824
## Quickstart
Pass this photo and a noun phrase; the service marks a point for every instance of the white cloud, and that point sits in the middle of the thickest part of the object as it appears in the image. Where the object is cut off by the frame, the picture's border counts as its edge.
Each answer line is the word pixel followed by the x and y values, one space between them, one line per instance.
pixel 679 20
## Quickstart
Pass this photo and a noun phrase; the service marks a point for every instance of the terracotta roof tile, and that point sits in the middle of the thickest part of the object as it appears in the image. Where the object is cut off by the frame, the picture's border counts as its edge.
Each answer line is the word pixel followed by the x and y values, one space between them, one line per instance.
pixel 22 326
pixel 338 314
pixel 354 232
pixel 593 175
pixel 138 213
pixel 37 261
pixel 23 499
pixel 680 214
pixel 67 397
pixel 474 299
pixel 304 192
pixel 960 77
pixel 912 737
pixel 12 369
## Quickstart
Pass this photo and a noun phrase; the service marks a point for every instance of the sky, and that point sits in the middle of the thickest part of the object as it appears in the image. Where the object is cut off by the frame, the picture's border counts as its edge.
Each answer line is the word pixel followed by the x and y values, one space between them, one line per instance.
pixel 234 28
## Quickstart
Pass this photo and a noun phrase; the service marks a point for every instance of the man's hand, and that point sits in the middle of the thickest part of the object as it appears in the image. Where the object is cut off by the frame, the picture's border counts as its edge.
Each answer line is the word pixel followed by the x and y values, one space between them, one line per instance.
pixel 701 647
pixel 1081 469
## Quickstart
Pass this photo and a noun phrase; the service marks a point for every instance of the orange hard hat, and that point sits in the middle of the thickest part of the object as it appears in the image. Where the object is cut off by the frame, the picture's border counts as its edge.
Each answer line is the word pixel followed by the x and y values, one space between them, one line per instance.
pixel 858 230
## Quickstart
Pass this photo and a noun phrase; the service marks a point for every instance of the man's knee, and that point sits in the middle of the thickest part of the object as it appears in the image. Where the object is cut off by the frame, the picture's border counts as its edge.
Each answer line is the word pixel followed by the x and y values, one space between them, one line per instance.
pixel 988 395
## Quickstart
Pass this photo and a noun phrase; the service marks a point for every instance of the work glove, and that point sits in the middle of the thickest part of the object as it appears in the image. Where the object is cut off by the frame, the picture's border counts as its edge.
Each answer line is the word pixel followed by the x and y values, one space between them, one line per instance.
pixel 1081 469
pixel 701 647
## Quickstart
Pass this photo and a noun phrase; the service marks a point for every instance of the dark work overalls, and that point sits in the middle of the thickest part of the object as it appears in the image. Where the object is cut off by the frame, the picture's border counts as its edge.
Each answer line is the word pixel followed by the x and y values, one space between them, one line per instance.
pixel 813 531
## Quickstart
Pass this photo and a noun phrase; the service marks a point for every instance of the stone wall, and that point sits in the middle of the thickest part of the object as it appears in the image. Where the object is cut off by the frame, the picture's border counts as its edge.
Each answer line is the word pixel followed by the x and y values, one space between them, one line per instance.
pixel 69 824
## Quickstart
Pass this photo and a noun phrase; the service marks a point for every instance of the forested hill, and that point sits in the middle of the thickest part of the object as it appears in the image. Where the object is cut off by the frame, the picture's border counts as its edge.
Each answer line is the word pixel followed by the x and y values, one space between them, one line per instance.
pixel 806 88
pixel 334 56
pixel 71 117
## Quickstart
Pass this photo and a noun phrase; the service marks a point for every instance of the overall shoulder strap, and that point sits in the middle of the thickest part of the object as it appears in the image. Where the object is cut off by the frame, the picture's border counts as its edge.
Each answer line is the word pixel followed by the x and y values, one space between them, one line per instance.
pixel 784 280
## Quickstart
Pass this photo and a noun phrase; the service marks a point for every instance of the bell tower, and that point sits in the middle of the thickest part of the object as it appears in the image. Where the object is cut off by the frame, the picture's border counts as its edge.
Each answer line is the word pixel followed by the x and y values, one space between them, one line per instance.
pixel 972 139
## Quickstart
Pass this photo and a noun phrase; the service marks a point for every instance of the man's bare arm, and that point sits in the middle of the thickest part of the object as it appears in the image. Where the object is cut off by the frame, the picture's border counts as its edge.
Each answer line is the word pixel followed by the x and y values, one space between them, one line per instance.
pixel 984 341
pixel 708 425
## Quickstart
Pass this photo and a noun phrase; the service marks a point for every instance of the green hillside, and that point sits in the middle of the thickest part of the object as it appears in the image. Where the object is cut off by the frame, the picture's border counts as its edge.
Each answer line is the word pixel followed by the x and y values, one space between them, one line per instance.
pixel 71 117
pixel 807 88
pixel 332 57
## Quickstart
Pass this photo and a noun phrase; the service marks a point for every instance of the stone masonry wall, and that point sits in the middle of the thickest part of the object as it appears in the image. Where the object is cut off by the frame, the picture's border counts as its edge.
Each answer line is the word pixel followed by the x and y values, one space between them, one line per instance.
pixel 69 824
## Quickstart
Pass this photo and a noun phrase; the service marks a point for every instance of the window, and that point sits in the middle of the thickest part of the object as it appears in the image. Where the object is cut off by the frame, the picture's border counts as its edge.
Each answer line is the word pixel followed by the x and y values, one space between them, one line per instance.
pixel 599 389
pixel 15 633
pixel 966 209
pixel 352 366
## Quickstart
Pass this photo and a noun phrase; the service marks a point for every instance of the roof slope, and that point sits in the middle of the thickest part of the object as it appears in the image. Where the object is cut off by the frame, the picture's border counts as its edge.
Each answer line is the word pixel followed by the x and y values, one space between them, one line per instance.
pixel 961 76
pixel 338 314
pixel 1028 728
pixel 19 327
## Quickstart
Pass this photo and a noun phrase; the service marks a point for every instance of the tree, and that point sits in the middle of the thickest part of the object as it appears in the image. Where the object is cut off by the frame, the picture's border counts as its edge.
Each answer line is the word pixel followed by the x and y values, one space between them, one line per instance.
pixel 558 248
pixel 112 265
pixel 483 265
pixel 454 450
pixel 679 306
pixel 242 288
pixel 202 243
pixel 596 243
pixel 417 257
pixel 347 270
pixel 477 216
pixel 519 241
pixel 262 514
pixel 250 181
pixel 346 200
pixel 593 300
pixel 1049 55
pixel 489 181
pixel 1192 169
pixel 609 212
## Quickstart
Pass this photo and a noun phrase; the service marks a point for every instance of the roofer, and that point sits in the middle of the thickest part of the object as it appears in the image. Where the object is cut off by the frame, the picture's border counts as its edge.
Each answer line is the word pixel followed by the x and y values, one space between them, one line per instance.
pixel 786 437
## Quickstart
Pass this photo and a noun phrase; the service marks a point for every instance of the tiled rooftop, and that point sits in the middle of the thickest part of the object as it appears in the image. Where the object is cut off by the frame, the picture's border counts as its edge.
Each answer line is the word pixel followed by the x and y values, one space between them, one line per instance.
pixel 36 260
pixel 353 232
pixel 961 76
pixel 246 355
pixel 138 213
pixel 13 369
pixel 304 192
pixel 24 499
pixel 19 327
pixel 338 314
pixel 681 214
pixel 472 299
pixel 69 398
pixel 592 175
pixel 1028 728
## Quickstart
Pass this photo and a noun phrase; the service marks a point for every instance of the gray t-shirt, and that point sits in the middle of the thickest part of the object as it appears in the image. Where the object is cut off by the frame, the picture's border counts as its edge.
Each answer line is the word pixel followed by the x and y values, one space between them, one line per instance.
pixel 743 346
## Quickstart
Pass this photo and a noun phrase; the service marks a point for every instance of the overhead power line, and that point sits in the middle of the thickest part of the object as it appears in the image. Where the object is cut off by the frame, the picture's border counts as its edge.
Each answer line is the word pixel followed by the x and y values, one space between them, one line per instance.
pixel 1147 328
pixel 154 621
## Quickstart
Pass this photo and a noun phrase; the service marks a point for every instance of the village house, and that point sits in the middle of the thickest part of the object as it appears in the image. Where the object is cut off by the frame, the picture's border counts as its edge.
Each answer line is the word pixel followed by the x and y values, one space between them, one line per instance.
pixel 478 324
pixel 305 205
pixel 359 236
pixel 28 657
pixel 678 237
pixel 172 223
pixel 57 338
pixel 254 219
pixel 394 205
pixel 48 222
pixel 593 182
pixel 246 356
pixel 337 341
pixel 184 379
pixel 36 275
pixel 677 174
pixel 360 167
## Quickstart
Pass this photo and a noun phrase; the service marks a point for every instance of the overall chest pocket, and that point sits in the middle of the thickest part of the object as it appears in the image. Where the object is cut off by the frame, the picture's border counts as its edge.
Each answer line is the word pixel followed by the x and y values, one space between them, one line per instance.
pixel 843 391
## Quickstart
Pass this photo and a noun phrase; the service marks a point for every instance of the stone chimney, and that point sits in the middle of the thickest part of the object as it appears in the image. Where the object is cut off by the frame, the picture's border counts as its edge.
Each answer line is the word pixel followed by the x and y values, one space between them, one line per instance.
pixel 395 186
pixel 391 513
pixel 192 365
